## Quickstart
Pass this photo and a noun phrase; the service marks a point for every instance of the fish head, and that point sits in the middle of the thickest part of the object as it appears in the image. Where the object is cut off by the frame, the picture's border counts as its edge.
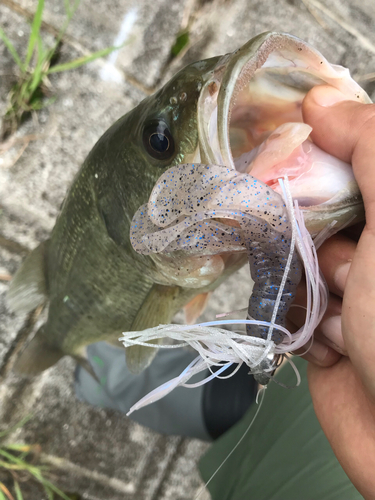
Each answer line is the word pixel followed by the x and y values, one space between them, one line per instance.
pixel 248 119
pixel 154 136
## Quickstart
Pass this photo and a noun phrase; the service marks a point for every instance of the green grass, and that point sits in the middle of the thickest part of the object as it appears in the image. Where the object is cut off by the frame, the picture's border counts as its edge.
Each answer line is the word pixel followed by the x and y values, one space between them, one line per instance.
pixel 18 464
pixel 182 40
pixel 31 87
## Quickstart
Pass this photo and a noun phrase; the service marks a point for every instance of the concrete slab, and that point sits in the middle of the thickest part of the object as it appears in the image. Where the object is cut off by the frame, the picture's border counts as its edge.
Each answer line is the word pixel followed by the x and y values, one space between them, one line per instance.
pixel 101 453
pixel 9 323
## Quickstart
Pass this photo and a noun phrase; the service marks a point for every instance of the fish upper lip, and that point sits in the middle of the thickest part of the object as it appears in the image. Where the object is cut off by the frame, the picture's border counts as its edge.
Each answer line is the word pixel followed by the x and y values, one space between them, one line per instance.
pixel 214 108
pixel 233 71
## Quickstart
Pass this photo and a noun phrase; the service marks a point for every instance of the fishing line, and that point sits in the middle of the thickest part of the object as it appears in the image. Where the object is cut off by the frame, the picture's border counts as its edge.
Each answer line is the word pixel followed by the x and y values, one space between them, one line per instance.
pixel 295 369
pixel 210 377
pixel 260 398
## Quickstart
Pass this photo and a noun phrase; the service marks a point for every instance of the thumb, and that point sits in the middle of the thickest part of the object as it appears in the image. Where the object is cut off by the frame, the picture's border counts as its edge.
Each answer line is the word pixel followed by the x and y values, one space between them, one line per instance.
pixel 345 129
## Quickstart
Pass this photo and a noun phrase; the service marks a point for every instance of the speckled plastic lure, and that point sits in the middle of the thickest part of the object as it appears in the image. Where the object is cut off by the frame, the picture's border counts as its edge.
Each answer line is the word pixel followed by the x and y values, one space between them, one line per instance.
pixel 208 209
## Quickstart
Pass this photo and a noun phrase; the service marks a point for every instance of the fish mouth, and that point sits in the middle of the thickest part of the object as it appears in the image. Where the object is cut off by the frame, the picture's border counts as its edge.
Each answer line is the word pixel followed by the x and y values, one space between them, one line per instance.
pixel 259 88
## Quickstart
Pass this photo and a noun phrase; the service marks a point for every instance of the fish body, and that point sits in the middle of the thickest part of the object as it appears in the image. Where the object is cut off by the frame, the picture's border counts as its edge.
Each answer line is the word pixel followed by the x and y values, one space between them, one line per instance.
pixel 213 111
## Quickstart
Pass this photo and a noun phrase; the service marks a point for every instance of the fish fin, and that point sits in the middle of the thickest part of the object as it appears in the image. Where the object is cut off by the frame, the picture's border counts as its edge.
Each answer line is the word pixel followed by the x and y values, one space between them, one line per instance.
pixel 195 307
pixel 159 307
pixel 28 288
pixel 85 363
pixel 139 357
pixel 37 356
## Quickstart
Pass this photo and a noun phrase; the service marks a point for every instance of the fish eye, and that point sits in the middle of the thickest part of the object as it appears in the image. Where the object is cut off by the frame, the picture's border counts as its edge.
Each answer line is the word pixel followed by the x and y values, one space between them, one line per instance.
pixel 158 140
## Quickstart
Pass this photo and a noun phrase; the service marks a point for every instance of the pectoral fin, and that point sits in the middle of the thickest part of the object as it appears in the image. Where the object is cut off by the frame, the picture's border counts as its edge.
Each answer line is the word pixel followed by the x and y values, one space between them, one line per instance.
pixel 28 288
pixel 196 307
pixel 159 307
pixel 38 355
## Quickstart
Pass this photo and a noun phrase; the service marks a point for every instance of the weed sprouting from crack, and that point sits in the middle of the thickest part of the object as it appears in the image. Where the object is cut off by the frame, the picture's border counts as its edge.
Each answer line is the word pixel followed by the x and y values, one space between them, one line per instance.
pixel 32 86
pixel 19 464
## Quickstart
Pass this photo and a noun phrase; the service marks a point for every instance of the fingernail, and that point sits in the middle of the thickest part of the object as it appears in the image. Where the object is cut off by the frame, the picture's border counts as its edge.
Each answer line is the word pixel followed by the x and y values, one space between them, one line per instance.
pixel 341 275
pixel 331 329
pixel 318 351
pixel 326 96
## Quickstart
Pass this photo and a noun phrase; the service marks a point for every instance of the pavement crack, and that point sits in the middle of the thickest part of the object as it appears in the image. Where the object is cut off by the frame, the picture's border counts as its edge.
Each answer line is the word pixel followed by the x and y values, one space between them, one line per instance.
pixel 68 466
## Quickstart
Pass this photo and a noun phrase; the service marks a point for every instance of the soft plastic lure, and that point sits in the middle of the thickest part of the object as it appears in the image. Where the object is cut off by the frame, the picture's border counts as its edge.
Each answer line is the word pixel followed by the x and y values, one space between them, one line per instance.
pixel 268 227
pixel 189 222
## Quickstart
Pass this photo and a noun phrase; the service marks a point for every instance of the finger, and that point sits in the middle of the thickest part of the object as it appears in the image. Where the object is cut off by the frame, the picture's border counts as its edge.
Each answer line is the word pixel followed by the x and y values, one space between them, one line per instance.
pixel 354 232
pixel 327 345
pixel 358 313
pixel 329 330
pixel 319 354
pixel 297 311
pixel 335 257
pixel 328 333
pixel 345 129
pixel 346 415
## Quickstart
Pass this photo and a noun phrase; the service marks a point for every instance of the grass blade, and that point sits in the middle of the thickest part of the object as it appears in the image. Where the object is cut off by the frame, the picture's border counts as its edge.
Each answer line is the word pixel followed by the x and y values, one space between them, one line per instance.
pixel 82 60
pixel 2 496
pixel 10 457
pixel 18 463
pixel 18 491
pixel 11 49
pixel 19 424
pixel 25 448
pixel 50 494
pixel 37 75
pixel 70 12
pixel 8 466
pixel 181 41
pixel 55 489
pixel 5 490
pixel 35 32
pixel 67 7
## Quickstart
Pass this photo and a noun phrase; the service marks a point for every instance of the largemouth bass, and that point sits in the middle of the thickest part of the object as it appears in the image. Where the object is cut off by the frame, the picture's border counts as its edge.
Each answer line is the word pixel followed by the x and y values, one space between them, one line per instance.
pixel 225 111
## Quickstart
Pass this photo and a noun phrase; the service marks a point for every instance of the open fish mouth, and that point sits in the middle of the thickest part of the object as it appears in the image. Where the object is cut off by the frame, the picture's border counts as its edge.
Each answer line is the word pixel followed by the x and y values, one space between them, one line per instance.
pixel 251 133
pixel 250 120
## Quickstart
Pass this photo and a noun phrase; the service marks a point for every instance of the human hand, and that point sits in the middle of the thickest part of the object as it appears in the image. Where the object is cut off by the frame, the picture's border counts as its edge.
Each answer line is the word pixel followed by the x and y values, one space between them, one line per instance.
pixel 342 369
